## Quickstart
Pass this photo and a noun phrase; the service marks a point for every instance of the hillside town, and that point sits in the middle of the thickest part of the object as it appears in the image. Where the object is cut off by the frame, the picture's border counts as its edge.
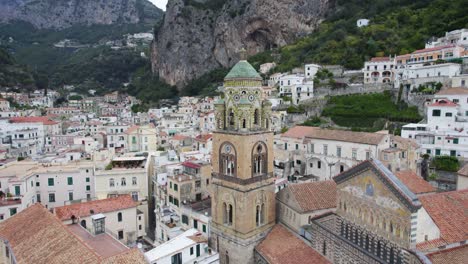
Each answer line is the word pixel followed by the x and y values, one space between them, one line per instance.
pixel 239 177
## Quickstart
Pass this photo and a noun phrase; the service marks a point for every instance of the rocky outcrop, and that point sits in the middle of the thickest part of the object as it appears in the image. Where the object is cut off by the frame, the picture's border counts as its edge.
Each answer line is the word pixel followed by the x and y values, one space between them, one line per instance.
pixel 63 14
pixel 200 35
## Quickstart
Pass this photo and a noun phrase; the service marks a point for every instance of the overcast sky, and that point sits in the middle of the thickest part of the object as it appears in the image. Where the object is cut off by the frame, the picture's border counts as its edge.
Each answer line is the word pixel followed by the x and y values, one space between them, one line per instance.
pixel 160 3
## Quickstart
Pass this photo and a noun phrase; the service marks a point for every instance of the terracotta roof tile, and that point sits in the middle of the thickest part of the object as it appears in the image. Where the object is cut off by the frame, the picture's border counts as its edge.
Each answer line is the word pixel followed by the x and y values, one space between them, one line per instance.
pixel 133 256
pixel 448 211
pixel 37 236
pixel 98 206
pixel 453 91
pixel 338 135
pixel 380 59
pixel 457 255
pixel 415 183
pixel 464 170
pixel 314 195
pixel 444 103
pixel 433 49
pixel 179 137
pixel 298 132
pixel 33 119
pixel 282 246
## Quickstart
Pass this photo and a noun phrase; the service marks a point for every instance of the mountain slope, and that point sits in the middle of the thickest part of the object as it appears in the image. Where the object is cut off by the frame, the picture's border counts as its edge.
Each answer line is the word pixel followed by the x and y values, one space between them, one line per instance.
pixel 97 54
pixel 396 27
pixel 63 14
pixel 200 35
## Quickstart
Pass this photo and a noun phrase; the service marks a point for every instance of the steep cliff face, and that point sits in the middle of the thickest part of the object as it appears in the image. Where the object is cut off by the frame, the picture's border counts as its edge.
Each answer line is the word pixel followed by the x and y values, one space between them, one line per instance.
pixel 200 35
pixel 60 14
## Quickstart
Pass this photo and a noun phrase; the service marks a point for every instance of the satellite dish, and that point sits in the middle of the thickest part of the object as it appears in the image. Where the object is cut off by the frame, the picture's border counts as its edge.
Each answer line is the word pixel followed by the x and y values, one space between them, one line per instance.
pixel 139 245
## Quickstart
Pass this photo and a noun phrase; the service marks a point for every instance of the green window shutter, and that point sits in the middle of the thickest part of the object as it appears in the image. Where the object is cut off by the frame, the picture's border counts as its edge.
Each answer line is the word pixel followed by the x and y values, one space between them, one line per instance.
pixel 51 181
pixel 70 180
pixel 87 179
pixel 88 187
pixel 17 190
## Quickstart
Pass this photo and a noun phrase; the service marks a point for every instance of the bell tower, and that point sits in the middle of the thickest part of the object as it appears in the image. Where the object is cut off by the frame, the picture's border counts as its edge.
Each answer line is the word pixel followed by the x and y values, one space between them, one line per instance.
pixel 243 189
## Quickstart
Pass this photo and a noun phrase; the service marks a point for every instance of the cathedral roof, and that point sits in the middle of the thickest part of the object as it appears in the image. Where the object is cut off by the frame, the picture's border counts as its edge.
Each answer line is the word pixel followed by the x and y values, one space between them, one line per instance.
pixel 243 70
pixel 282 246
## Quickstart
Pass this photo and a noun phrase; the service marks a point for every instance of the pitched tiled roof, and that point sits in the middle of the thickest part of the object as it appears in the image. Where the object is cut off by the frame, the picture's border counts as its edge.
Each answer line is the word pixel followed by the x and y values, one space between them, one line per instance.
pixel 448 210
pixel 380 59
pixel 314 195
pixel 33 119
pixel 457 255
pixel 415 183
pixel 282 246
pixel 433 49
pixel 331 134
pixel 444 103
pixel 298 132
pixel 133 256
pixel 453 91
pixel 37 236
pixel 179 137
pixel 464 170
pixel 98 206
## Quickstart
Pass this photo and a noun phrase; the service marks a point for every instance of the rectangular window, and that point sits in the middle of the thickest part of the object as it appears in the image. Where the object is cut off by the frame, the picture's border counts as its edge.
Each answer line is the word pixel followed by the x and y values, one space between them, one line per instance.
pixel 325 149
pixel 455 141
pixel 297 146
pixel 319 164
pixel 13 211
pixel 338 152
pixel 354 154
pixel 453 153
pixel 176 187
pixel 448 114
pixel 195 224
pixel 70 180
pixel 70 196
pixel 437 152
pixel 17 190
pixel 428 151
pixel 285 146
pixel 436 112
pixel 51 197
pixel 367 155
pixel 311 148
pixel 87 179
pixel 185 219
pixel 88 187
pixel 204 228
pixel 51 181
pixel 191 251
pixel 170 185
pixel 176 202
pixel 121 234
pixel 171 199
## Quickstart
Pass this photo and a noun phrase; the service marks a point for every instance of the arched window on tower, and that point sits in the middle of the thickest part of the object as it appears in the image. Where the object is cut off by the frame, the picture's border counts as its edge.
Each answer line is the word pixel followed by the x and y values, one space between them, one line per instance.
pixel 260 214
pixel 227 160
pixel 231 118
pixel 259 159
pixel 256 117
pixel 225 214
pixel 230 214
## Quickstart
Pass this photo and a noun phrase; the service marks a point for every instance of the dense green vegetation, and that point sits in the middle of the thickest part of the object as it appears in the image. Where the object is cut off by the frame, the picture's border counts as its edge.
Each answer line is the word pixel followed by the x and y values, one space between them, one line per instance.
pixel 89 64
pixel 396 27
pixel 207 84
pixel 13 74
pixel 446 163
pixel 148 88
pixel 314 122
pixel 368 111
